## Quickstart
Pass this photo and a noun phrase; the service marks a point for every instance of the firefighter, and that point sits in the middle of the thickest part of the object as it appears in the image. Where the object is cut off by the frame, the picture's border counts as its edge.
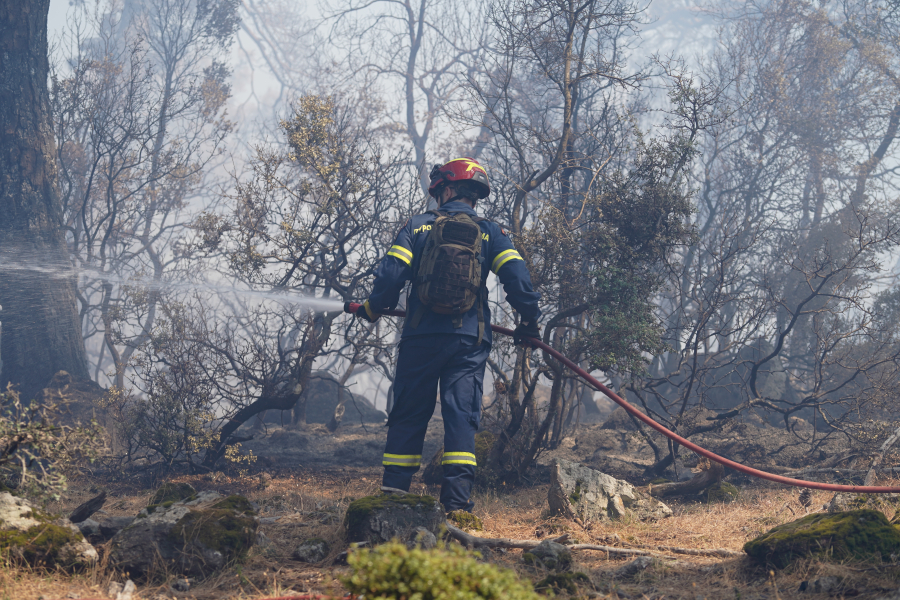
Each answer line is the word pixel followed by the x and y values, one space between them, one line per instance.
pixel 446 337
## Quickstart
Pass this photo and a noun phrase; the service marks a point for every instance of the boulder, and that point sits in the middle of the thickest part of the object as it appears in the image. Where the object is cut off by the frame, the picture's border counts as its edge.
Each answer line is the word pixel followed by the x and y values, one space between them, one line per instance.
pixel 378 519
pixel 194 536
pixel 580 492
pixel 857 534
pixel 39 538
pixel 321 396
pixel 312 550
pixel 549 555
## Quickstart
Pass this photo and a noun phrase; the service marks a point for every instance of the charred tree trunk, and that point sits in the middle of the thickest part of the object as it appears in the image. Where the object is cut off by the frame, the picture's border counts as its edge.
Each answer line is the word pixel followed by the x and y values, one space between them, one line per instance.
pixel 41 330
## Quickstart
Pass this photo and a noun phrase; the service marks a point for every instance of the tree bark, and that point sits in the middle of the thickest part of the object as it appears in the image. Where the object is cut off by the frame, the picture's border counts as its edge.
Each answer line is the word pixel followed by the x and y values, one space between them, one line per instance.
pixel 41 331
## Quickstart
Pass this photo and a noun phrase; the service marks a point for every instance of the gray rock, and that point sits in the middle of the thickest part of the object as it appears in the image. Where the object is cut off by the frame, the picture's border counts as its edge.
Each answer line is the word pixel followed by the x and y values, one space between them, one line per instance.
pixel 103 529
pixel 110 526
pixel 422 538
pixel 632 568
pixel 822 585
pixel 18 515
pixel 580 492
pixel 312 551
pixel 379 519
pixel 127 591
pixel 194 536
pixel 89 528
pixel 842 502
pixel 549 555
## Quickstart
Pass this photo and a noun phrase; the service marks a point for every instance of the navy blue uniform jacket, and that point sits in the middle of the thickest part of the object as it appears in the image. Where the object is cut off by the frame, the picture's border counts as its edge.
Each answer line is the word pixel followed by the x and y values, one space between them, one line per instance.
pixel 500 256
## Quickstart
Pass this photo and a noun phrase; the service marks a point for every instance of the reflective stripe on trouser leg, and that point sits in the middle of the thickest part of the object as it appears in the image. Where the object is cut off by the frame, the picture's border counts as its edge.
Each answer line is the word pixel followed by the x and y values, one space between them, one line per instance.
pixel 402 460
pixel 458 458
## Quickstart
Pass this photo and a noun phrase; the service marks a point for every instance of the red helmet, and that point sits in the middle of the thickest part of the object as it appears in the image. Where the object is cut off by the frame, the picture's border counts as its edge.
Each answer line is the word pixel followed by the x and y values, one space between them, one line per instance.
pixel 459 169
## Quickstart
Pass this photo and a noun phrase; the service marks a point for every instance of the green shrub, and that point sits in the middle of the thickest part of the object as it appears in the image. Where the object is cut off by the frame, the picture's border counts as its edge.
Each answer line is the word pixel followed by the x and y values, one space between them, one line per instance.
pixel 443 573
pixel 36 451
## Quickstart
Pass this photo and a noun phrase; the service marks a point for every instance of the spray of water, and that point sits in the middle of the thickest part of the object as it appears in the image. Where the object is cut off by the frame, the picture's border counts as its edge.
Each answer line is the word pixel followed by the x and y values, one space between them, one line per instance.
pixel 286 297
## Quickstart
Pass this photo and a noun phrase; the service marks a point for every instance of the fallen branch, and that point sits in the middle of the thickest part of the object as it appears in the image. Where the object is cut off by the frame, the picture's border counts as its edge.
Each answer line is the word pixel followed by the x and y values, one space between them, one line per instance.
pixel 472 541
pixel 720 552
pixel 478 542
pixel 612 550
pixel 86 510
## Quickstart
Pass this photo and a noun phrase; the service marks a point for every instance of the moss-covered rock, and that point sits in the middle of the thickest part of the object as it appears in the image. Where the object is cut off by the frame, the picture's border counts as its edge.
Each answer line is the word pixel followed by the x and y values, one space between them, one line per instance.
pixel 485 478
pixel 39 538
pixel 721 492
pixel 395 571
pixel 379 519
pixel 855 535
pixel 465 520
pixel 563 583
pixel 193 536
pixel 171 493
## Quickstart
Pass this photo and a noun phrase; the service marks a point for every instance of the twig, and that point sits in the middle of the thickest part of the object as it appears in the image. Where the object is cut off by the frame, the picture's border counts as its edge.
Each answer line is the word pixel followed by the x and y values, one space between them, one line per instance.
pixel 720 552
pixel 613 551
pixel 477 542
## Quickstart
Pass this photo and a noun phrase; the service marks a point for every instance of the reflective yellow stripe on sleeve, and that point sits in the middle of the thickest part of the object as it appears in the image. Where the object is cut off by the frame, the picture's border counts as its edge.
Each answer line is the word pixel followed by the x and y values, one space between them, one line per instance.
pixel 402 460
pixel 458 458
pixel 503 258
pixel 401 253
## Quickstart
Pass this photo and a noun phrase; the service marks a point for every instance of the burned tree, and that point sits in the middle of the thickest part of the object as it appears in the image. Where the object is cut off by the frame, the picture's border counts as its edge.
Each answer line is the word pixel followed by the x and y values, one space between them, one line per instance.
pixel 594 205
pixel 41 329
pixel 302 230
pixel 772 314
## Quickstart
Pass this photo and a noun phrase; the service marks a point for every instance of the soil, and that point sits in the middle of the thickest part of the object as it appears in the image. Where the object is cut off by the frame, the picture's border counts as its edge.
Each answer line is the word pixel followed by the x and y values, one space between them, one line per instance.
pixel 305 478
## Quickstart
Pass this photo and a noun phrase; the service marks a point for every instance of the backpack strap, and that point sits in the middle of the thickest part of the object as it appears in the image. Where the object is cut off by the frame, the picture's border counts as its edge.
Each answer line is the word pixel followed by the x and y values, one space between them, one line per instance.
pixel 416 317
pixel 480 301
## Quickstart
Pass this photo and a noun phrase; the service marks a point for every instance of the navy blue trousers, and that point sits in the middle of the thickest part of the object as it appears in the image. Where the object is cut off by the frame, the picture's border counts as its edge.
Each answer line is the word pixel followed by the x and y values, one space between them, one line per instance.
pixel 457 363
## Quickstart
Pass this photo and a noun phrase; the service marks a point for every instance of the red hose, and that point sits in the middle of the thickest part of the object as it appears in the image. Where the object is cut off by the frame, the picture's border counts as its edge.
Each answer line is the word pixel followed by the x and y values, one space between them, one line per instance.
pixel 865 489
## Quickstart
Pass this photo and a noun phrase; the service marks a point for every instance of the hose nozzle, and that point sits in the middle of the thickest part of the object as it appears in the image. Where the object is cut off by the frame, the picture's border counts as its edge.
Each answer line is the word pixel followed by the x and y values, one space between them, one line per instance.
pixel 351 307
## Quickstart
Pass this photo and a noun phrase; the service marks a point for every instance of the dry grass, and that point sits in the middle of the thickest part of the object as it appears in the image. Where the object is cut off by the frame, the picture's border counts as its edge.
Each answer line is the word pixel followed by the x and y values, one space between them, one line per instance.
pixel 312 504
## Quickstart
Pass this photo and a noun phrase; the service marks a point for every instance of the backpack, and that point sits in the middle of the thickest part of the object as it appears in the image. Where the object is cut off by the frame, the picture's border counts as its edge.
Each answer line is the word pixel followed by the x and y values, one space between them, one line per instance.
pixel 447 278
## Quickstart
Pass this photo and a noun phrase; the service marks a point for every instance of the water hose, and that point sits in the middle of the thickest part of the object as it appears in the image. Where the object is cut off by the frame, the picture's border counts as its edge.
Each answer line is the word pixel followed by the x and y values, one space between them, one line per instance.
pixel 351 307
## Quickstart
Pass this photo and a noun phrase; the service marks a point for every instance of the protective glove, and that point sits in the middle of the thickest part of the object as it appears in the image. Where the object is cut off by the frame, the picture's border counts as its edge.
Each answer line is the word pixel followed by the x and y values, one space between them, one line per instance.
pixel 526 330
pixel 365 313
